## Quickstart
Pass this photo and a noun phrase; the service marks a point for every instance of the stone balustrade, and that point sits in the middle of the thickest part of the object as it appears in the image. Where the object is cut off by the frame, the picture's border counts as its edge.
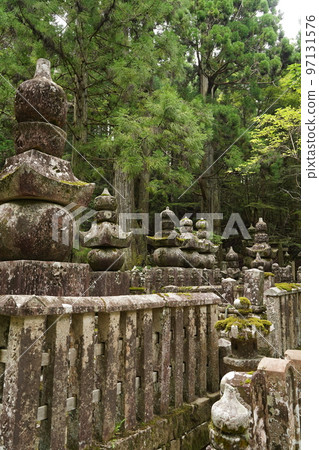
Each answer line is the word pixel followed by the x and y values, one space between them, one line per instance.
pixel 73 368
pixel 284 311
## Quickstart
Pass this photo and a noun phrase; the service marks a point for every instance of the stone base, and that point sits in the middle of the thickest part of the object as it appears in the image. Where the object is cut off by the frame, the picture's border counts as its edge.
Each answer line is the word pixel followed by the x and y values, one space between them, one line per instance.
pixel 104 284
pixel 241 364
pixel 24 277
pixel 184 428
pixel 156 278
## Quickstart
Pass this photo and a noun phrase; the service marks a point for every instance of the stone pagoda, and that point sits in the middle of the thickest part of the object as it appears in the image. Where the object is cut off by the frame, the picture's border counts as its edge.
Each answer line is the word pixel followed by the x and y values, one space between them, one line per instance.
pixel 261 251
pixel 36 190
pixel 105 237
pixel 184 247
pixel 232 265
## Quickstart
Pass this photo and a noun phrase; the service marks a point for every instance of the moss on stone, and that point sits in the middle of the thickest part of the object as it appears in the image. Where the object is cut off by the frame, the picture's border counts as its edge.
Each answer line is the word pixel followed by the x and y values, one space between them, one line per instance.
pixel 137 288
pixel 268 274
pixel 260 324
pixel 74 183
pixel 287 286
pixel 244 311
pixel 245 301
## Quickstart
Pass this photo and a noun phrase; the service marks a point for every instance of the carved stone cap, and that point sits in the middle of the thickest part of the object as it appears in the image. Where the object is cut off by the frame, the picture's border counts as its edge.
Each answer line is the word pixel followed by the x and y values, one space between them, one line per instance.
pixel 43 69
pixel 231 255
pixel 261 226
pixel 228 415
pixel 40 99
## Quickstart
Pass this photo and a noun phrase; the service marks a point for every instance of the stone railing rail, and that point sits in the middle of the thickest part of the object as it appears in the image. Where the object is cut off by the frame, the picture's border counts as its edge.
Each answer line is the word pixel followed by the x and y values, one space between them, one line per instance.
pixel 284 311
pixel 73 369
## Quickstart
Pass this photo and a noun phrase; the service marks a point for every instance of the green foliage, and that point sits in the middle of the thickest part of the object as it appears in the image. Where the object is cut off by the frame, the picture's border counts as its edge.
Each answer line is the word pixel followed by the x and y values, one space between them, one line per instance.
pixel 166 91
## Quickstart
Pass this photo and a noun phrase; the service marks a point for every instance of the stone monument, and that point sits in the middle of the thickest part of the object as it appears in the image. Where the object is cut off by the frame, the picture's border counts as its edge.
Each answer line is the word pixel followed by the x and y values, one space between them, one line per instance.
pixel 36 187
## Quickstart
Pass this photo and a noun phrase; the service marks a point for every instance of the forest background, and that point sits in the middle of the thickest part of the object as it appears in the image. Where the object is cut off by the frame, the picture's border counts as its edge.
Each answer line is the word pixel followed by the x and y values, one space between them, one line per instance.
pixel 193 105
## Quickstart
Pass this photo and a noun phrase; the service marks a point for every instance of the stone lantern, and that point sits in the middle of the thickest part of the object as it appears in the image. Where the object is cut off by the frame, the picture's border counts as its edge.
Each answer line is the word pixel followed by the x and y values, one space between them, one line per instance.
pixel 242 329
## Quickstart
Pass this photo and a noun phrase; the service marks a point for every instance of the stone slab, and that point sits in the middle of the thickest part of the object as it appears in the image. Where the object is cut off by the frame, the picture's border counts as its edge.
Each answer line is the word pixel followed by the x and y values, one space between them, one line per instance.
pixel 25 277
pixel 109 283
pixel 36 175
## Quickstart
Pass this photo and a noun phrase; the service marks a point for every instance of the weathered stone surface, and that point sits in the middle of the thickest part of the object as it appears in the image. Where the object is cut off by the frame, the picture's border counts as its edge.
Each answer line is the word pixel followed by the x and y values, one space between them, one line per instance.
pixel 261 250
pixel 172 240
pixel 106 259
pixel 109 283
pixel 172 427
pixel 22 382
pixel 254 286
pixel 26 231
pixel 40 99
pixel 41 136
pixel 81 376
pixel 228 415
pixel 36 175
pixel 105 234
pixel 105 201
pixel 44 278
pixel 224 347
pixel 284 311
pixel 281 402
pixel 228 285
pixel 106 216
pixel 241 364
pixel 22 305
pixel 54 391
pixel 168 257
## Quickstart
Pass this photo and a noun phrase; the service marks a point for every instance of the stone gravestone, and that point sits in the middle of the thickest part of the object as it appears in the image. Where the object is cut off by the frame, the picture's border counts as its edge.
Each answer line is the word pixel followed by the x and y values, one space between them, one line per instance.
pixel 37 192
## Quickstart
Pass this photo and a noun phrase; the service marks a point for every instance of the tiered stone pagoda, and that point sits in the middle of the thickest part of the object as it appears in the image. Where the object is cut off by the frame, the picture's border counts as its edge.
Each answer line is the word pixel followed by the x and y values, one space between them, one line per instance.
pixel 232 263
pixel 184 247
pixel 36 184
pixel 261 251
pixel 36 230
pixel 105 237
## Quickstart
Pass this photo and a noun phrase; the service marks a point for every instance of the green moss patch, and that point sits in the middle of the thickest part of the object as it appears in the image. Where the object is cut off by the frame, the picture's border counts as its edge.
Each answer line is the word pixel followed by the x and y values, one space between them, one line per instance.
pixel 287 286
pixel 245 301
pixel 226 324
pixel 268 274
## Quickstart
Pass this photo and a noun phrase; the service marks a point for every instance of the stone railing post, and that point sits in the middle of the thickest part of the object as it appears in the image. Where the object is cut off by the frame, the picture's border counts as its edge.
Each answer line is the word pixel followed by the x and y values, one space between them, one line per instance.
pixel 254 286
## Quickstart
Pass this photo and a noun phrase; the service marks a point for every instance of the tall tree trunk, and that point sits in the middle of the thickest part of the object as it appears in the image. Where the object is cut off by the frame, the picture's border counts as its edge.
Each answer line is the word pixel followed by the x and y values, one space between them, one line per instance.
pixel 80 117
pixel 124 193
pixel 209 182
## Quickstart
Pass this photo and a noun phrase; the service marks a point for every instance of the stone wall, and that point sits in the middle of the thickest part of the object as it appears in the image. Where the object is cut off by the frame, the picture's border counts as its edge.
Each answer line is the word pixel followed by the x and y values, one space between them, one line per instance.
pixel 73 368
pixel 284 311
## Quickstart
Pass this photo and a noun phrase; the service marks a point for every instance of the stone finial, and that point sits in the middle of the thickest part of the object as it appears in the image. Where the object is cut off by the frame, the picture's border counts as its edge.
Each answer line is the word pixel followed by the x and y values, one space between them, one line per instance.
pixel 43 69
pixel 167 214
pixel 230 420
pixel 41 110
pixel 261 225
pixel 231 255
pixel 228 414
pixel 258 262
pixel 201 224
